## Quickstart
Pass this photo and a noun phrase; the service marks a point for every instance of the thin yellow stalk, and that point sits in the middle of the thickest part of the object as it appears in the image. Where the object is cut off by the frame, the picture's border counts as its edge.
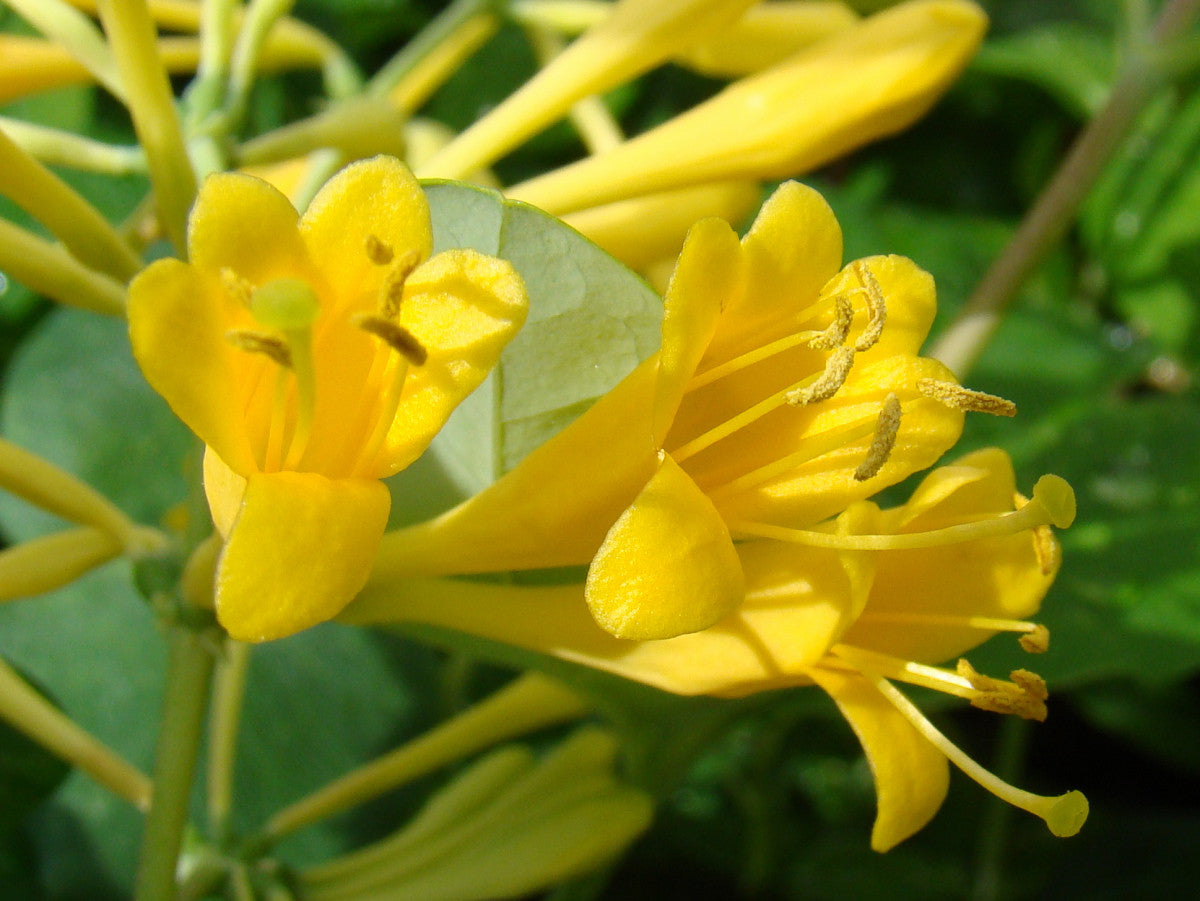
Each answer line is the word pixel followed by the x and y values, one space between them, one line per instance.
pixel 65 25
pixel 152 105
pixel 531 702
pixel 33 715
pixel 55 147
pixel 71 219
pixel 49 269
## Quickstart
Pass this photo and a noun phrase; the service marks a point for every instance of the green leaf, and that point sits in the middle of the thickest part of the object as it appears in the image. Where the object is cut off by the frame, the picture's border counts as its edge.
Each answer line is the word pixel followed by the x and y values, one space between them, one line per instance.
pixel 591 321
pixel 1069 60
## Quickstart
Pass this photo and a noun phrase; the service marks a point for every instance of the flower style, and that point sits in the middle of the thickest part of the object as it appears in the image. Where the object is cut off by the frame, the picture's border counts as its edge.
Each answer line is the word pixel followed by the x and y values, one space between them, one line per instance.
pixel 313 355
pixel 785 390
pixel 871 597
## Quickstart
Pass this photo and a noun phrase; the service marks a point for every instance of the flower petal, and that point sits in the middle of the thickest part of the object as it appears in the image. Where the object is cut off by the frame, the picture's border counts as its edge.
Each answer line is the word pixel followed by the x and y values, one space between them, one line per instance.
pixel 464 308
pixel 911 775
pixel 791 250
pixel 554 508
pixel 300 549
pixel 224 490
pixel 667 566
pixel 708 276
pixel 376 197
pixel 244 224
pixel 177 323
pixel 1003 578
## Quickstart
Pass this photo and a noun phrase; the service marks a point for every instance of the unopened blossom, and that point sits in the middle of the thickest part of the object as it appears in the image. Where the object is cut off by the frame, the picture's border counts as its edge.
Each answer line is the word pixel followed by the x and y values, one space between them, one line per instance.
pixel 853 604
pixel 787 387
pixel 314 355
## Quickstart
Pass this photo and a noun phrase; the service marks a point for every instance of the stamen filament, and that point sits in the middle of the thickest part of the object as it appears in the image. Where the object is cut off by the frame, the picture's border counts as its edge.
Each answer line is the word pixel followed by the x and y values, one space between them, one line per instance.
pixel 796 339
pixel 920 674
pixel 1064 815
pixel 1053 502
pixel 814 446
pixel 300 342
pixel 273 455
pixel 743 419
pixel 1035 638
pixel 387 413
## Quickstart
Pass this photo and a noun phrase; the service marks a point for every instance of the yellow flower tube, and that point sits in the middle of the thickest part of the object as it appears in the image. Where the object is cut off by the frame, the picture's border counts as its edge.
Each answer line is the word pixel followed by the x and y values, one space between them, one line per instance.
pixel 964 558
pixel 639 35
pixel 314 355
pixel 854 87
pixel 785 390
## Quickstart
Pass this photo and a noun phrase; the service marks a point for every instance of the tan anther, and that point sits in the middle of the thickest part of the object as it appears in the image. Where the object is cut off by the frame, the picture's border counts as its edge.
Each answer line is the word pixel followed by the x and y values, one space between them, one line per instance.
pixel 258 343
pixel 396 336
pixel 379 251
pixel 237 287
pixel 837 367
pixel 876 307
pixel 1025 696
pixel 393 285
pixel 1037 641
pixel 836 332
pixel 886 427
pixel 961 398
pixel 1047 549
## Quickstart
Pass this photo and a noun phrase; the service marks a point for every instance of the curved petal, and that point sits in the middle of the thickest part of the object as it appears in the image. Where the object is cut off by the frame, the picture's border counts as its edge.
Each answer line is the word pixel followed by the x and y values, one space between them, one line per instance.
pixel 376 197
pixel 909 296
pixel 300 549
pixel 554 507
pixel 244 224
pixel 224 490
pixel 1003 578
pixel 177 324
pixel 667 566
pixel 707 279
pixel 464 308
pixel 791 251
pixel 911 775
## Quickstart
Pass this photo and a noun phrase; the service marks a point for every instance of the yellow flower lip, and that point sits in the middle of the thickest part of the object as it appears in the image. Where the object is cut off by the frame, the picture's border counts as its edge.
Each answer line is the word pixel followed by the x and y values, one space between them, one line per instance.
pixel 314 354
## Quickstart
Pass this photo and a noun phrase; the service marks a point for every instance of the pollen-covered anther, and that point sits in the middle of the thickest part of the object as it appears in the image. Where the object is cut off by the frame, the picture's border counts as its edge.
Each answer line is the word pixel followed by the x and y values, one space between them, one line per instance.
pixel 395 335
pixel 1037 641
pixel 960 398
pixel 392 293
pixel 886 428
pixel 837 367
pixel 876 306
pixel 1047 549
pixel 836 332
pixel 379 251
pixel 236 287
pixel 269 346
pixel 1025 696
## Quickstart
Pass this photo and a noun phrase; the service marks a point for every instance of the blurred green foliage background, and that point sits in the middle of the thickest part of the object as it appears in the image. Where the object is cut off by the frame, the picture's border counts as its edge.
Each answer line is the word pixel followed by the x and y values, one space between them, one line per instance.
pixel 1100 353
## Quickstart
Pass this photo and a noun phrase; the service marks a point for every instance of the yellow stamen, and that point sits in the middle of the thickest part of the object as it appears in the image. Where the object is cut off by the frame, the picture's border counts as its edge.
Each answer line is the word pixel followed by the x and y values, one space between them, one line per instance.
pixel 886 428
pixel 1065 814
pixel 876 306
pixel 1053 502
pixel 258 343
pixel 796 339
pixel 392 292
pixel 836 332
pixel 1025 696
pixel 395 335
pixel 237 287
pixel 1035 640
pixel 960 398
pixel 379 252
pixel 837 368
pixel 1047 549
pixel 920 674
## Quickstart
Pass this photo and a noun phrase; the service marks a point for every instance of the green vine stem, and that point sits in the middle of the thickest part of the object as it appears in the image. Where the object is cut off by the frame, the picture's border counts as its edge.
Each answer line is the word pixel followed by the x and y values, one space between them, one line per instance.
pixel 1052 214
pixel 229 691
pixel 189 675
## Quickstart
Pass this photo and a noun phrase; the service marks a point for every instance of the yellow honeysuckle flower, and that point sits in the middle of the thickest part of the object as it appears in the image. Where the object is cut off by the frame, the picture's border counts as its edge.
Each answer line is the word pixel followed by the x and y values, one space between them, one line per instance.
pixel 785 390
pixel 872 596
pixel 313 355
pixel 860 84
